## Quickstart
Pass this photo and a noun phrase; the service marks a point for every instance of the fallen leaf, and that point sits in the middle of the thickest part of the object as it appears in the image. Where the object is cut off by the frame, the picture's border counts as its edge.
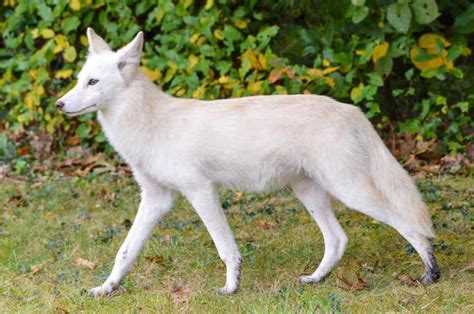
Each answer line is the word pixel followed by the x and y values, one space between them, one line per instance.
pixel 469 267
pixel 179 292
pixel 36 268
pixel 36 185
pixel 85 263
pixel 61 308
pixel 360 284
pixel 156 259
pixel 408 280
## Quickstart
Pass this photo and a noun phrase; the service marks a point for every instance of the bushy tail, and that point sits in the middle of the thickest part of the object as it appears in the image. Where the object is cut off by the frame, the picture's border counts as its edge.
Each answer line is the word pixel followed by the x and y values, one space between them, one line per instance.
pixel 409 212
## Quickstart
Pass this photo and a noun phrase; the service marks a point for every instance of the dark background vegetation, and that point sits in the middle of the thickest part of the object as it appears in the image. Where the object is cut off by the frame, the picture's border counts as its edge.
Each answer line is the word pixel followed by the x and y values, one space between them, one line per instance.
pixel 408 64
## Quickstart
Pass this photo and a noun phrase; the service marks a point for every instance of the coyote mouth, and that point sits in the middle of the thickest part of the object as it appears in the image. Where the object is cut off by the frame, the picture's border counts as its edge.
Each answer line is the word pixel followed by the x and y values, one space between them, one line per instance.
pixel 72 113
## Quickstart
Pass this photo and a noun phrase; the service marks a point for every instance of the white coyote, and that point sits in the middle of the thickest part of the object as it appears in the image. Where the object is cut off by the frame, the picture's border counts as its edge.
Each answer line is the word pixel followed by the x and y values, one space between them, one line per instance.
pixel 320 147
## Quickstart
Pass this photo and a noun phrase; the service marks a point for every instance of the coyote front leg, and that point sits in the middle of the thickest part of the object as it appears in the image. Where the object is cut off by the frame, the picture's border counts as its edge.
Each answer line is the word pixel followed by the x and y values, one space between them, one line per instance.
pixel 154 205
pixel 206 203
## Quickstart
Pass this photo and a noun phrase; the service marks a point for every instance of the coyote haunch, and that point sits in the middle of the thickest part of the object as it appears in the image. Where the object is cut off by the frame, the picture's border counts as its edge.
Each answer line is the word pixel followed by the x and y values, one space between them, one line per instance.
pixel 318 146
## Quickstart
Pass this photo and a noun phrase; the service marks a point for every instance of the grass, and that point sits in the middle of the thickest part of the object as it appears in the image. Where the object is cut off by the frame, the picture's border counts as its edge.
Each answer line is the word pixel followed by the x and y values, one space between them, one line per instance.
pixel 45 228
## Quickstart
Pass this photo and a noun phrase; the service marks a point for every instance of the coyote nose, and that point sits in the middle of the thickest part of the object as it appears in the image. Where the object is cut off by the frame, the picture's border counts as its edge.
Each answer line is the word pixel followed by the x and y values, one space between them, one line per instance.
pixel 60 104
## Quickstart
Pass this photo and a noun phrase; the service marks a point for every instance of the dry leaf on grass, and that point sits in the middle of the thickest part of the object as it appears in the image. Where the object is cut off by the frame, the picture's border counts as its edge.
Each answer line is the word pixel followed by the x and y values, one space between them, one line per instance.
pixel 469 267
pixel 360 284
pixel 60 307
pixel 36 268
pixel 84 263
pixel 156 259
pixel 179 292
pixel 408 280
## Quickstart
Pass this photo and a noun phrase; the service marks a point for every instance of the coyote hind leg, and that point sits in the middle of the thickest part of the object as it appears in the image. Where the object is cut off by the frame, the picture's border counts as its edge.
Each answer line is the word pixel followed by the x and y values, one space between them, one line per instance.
pixel 317 202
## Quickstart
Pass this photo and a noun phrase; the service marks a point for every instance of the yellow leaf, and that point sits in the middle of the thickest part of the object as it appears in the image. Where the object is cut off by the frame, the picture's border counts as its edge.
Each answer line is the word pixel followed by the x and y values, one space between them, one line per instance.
pixel 63 74
pixel 428 42
pixel 326 63
pixel 160 15
pixel 218 34
pixel 169 74
pixel 223 79
pixel 30 102
pixel 193 60
pixel 241 24
pixel 180 92
pixel 33 73
pixel 252 58
pixel 35 33
pixel 201 41
pixel 20 118
pixel 38 90
pixel 281 90
pixel 315 73
pixel 47 33
pixel 434 63
pixel 194 38
pixel 209 4
pixel 186 3
pixel 360 52
pixel 262 59
pixel 75 5
pixel 255 87
pixel 466 51
pixel 61 43
pixel 330 70
pixel 84 41
pixel 70 54
pixel 199 92
pixel 330 82
pixel 356 93
pixel 379 51
pixel 151 74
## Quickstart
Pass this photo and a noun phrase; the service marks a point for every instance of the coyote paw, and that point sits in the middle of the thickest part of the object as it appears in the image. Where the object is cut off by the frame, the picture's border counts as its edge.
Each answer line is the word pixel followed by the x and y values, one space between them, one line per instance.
pixel 100 291
pixel 226 290
pixel 305 280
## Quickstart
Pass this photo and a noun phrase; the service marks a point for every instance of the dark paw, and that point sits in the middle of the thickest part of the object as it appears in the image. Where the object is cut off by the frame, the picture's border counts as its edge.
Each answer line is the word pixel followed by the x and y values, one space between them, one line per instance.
pixel 432 273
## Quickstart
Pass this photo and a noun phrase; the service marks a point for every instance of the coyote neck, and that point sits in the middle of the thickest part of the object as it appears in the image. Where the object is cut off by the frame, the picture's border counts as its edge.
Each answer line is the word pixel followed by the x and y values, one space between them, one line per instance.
pixel 135 116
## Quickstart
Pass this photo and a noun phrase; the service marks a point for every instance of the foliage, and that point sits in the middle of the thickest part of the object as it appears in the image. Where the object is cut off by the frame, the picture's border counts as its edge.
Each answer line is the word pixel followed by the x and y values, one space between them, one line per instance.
pixel 407 61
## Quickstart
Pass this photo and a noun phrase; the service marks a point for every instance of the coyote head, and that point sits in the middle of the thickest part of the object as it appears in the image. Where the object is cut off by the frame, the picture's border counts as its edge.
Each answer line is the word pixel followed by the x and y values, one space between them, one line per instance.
pixel 104 77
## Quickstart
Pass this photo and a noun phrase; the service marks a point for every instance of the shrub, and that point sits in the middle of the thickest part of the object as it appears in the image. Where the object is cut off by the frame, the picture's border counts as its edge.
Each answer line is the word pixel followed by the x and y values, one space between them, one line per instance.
pixel 407 62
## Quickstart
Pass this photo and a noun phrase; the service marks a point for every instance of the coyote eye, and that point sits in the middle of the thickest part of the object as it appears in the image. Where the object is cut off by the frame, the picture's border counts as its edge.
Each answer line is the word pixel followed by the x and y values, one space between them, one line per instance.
pixel 92 82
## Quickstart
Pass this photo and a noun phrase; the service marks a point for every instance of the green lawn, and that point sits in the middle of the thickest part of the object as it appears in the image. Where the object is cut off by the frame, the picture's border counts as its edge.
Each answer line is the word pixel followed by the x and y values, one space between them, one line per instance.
pixel 45 229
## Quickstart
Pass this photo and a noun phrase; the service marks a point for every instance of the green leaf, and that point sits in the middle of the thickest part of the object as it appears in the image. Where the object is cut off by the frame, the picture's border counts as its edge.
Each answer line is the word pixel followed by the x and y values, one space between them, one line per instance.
pixel 457 73
pixel 429 73
pixel 464 23
pixel 357 93
pixel 360 13
pixel 384 65
pixel 266 35
pixel 454 52
pixel 70 23
pixel 409 74
pixel 44 11
pixel 426 11
pixel 463 105
pixel 70 54
pixel 358 3
pixel 399 16
pixel 83 130
pixel 375 79
pixel 410 126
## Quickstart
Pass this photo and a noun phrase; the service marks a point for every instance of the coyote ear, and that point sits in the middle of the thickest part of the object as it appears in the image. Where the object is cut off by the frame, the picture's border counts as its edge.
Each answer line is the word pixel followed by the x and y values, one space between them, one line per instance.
pixel 96 43
pixel 131 53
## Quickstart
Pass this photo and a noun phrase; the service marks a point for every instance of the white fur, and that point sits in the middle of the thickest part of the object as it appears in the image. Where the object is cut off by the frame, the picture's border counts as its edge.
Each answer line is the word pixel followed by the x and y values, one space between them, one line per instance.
pixel 317 145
